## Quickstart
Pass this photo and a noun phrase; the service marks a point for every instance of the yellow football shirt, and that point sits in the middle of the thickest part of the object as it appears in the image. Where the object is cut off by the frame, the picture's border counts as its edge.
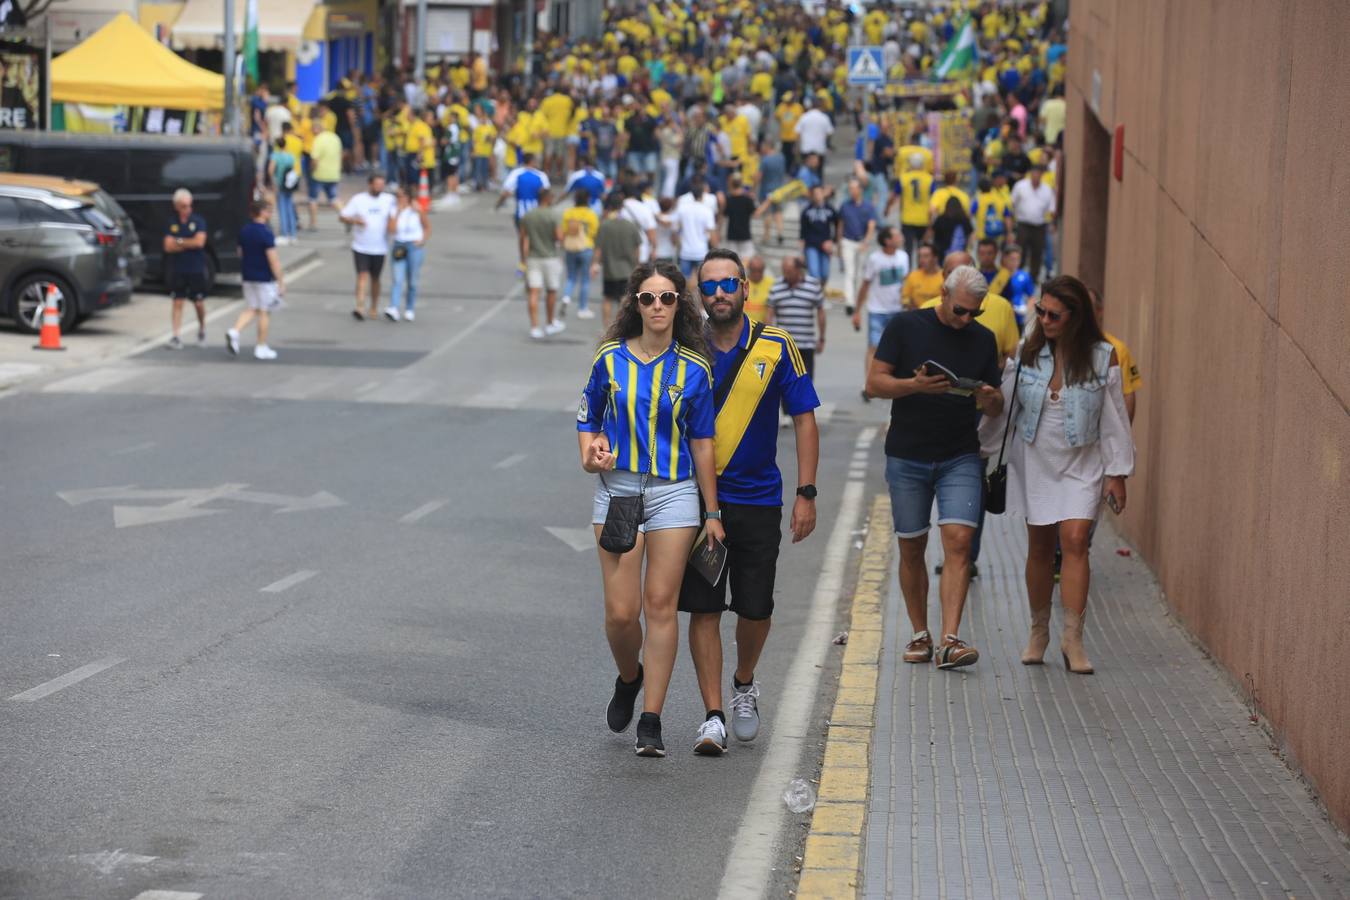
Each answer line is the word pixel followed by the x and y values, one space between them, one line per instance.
pixel 916 188
pixel 1130 379
pixel 920 287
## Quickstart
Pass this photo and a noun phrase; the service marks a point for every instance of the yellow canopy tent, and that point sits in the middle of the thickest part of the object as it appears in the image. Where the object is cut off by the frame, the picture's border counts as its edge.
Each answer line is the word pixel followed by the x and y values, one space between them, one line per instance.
pixel 122 65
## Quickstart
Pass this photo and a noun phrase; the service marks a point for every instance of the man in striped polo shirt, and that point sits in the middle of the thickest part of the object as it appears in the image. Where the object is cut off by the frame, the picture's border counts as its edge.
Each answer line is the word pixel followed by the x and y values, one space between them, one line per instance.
pixel 797 305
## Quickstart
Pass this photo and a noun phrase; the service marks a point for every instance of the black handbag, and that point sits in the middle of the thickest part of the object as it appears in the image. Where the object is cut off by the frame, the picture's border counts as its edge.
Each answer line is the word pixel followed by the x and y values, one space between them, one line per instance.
pixel 625 514
pixel 400 251
pixel 996 482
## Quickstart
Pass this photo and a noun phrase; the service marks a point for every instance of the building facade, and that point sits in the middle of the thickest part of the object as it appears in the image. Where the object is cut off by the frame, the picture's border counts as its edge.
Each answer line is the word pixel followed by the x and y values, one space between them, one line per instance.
pixel 1206 190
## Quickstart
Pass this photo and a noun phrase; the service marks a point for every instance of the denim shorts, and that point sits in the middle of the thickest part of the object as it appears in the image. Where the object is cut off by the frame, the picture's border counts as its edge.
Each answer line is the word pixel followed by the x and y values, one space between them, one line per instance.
pixel 956 482
pixel 876 324
pixel 666 504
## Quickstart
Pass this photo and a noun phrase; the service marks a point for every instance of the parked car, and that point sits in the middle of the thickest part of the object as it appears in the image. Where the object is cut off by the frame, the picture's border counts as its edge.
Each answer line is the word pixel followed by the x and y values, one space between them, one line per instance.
pixel 130 245
pixel 48 239
pixel 141 172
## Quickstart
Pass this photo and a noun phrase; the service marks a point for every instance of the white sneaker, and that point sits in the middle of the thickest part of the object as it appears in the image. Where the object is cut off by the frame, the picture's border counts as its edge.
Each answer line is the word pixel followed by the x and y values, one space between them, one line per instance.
pixel 391 314
pixel 262 351
pixel 745 711
pixel 408 316
pixel 712 738
pixel 555 327
pixel 585 314
pixel 232 342
pixel 201 339
pixel 562 307
pixel 537 334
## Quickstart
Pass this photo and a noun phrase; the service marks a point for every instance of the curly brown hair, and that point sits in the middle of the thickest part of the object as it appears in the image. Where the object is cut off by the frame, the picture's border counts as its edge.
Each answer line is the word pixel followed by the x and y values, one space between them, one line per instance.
pixel 688 326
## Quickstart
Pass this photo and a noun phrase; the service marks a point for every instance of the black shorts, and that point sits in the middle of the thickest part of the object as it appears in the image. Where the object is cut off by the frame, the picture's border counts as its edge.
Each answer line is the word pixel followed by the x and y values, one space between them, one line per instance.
pixel 188 286
pixel 614 289
pixel 369 262
pixel 753 536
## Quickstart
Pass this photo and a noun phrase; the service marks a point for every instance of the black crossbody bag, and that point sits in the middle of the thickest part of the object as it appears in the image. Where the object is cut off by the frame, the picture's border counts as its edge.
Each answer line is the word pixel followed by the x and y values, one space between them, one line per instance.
pixel 724 389
pixel 996 482
pixel 625 514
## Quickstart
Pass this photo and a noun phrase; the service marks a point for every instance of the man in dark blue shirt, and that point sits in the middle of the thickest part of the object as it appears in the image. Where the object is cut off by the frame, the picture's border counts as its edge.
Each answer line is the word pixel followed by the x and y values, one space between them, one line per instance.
pixel 755 369
pixel 185 265
pixel 857 224
pixel 819 227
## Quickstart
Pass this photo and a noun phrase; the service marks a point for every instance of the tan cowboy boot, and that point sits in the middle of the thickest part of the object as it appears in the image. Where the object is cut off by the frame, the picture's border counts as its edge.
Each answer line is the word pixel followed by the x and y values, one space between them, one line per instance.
pixel 1034 655
pixel 1071 643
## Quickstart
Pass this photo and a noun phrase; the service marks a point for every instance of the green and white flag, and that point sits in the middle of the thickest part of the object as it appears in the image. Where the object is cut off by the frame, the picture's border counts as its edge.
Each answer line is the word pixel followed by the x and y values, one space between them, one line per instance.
pixel 960 53
pixel 251 40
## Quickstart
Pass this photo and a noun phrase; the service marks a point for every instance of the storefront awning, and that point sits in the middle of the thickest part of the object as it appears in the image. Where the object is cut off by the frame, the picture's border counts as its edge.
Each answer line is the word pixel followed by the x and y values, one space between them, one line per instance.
pixel 281 24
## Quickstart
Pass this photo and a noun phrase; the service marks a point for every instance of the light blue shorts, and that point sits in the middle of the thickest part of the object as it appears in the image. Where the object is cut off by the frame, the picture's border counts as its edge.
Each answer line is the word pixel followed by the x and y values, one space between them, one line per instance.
pixel 666 504
pixel 958 484
pixel 876 324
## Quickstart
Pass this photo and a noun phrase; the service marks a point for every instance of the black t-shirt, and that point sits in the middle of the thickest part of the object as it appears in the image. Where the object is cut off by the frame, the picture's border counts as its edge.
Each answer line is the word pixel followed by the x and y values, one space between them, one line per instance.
pixel 818 225
pixel 642 133
pixel 740 207
pixel 935 427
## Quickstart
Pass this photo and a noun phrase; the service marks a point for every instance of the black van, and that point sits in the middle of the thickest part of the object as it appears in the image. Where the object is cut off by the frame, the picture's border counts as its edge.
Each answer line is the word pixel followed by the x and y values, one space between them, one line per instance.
pixel 141 171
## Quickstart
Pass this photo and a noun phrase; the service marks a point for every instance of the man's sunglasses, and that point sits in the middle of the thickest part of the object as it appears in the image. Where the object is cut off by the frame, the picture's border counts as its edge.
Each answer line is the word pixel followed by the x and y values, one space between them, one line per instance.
pixel 667 298
pixel 961 312
pixel 728 286
pixel 1043 313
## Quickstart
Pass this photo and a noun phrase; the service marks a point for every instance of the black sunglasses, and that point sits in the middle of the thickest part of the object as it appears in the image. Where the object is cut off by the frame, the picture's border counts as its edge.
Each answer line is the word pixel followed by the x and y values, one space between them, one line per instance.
pixel 728 286
pixel 1043 313
pixel 961 312
pixel 667 298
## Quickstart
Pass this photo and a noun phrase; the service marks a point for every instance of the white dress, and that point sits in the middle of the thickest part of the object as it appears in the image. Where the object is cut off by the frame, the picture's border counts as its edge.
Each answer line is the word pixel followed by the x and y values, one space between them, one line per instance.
pixel 1048 480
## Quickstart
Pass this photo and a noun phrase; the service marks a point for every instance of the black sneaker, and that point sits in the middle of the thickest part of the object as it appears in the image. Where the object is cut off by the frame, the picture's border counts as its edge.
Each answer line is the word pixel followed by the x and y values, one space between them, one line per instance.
pixel 649 736
pixel 620 710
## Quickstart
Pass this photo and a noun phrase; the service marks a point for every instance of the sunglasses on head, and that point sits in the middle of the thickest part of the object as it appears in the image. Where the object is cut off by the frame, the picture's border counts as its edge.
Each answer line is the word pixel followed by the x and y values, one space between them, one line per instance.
pixel 667 298
pixel 1043 313
pixel 961 312
pixel 728 286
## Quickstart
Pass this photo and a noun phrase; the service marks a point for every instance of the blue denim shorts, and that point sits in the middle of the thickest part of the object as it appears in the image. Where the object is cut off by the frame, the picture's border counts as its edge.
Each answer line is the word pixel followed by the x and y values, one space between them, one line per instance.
pixel 876 324
pixel 956 483
pixel 666 504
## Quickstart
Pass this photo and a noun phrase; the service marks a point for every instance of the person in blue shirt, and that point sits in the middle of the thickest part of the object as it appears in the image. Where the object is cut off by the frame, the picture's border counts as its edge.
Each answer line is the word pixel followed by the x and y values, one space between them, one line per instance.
pixel 264 285
pixel 185 266
pixel 755 369
pixel 590 179
pixel 525 181
pixel 645 427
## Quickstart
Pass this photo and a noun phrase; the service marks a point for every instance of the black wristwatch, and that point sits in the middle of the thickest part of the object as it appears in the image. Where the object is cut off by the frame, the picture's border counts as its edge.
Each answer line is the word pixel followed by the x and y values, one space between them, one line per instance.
pixel 808 491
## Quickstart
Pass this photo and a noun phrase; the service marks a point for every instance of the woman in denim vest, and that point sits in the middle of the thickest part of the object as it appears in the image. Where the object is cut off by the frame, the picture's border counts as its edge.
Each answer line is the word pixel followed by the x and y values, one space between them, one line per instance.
pixel 1069 447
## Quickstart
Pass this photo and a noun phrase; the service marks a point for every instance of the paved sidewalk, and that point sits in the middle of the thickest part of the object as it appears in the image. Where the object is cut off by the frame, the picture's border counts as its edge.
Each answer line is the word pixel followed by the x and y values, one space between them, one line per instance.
pixel 1145 780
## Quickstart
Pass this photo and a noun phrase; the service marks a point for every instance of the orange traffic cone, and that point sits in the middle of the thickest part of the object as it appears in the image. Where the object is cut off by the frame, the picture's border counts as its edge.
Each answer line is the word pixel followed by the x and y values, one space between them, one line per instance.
pixel 424 192
pixel 49 338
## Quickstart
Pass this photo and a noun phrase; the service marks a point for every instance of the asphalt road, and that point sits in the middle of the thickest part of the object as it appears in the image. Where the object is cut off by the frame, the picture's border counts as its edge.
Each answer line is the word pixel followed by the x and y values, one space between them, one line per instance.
pixel 331 645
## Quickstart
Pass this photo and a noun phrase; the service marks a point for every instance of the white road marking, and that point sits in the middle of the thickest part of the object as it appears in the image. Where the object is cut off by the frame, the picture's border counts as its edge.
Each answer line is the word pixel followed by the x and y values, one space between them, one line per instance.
pixel 66 680
pixel 510 461
pixel 302 271
pixel 134 448
pixel 93 381
pixel 18 371
pixel 825 412
pixel 289 581
pixel 748 870
pixel 423 511
pixel 501 395
pixel 167 895
pixel 107 861
pixel 866 437
pixel 368 386
pixel 578 539
pixel 477 323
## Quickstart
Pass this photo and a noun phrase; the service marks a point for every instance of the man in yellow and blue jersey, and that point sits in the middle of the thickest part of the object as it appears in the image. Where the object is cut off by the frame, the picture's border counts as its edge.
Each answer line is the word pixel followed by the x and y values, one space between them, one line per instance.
pixel 756 368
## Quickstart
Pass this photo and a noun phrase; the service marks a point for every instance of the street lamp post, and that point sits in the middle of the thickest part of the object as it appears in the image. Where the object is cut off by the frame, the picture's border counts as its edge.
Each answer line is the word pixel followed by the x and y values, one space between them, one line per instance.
pixel 231 118
pixel 420 60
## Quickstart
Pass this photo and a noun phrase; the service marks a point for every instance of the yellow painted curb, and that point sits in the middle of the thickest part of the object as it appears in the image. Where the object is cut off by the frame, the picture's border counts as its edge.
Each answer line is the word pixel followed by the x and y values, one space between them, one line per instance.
pixel 832 861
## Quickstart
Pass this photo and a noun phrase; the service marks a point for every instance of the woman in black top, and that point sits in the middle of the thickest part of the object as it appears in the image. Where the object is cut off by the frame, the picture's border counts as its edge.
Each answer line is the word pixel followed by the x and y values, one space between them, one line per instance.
pixel 953 229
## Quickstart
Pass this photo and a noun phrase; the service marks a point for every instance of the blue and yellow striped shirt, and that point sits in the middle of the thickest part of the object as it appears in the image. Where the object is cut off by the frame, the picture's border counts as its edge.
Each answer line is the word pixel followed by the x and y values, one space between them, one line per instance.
pixel 621 399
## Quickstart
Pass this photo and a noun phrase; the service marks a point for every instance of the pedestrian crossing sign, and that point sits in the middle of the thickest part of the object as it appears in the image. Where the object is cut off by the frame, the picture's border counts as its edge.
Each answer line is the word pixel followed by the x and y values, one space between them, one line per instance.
pixel 865 66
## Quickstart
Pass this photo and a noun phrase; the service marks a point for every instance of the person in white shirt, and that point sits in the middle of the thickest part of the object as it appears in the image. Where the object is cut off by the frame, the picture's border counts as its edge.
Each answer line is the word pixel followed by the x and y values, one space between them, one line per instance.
pixel 641 215
pixel 883 276
pixel 813 133
pixel 1033 209
pixel 754 116
pixel 277 115
pixel 696 226
pixel 368 213
pixel 410 228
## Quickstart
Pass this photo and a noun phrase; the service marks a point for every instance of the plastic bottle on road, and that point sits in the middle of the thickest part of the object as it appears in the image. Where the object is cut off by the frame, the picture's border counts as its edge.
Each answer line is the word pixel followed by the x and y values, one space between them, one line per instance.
pixel 799 796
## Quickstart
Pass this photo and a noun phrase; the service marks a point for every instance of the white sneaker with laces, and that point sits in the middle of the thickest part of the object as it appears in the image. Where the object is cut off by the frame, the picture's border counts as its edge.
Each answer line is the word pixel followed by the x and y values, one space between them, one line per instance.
pixel 585 314
pixel 391 313
pixel 555 327
pixel 408 316
pixel 262 351
pixel 537 334
pixel 712 738
pixel 232 342
pixel 745 711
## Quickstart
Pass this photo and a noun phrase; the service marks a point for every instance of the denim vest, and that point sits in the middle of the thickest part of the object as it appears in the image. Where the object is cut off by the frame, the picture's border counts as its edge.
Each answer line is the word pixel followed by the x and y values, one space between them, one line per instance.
pixel 1082 402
